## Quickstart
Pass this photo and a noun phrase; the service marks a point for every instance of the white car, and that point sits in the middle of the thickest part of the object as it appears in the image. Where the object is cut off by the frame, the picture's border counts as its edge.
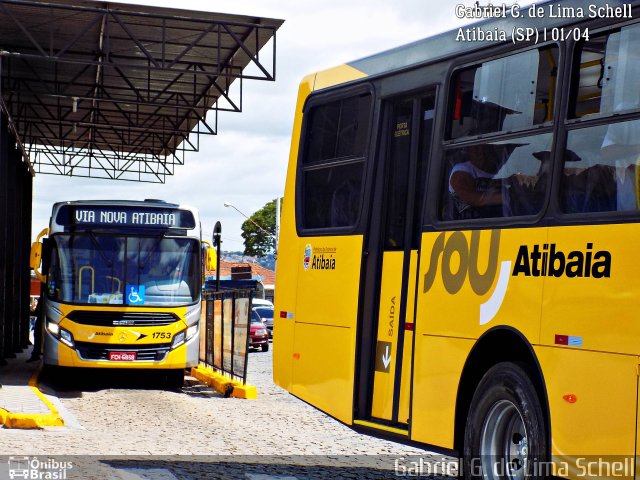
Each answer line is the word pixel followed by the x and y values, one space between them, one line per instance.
pixel 261 302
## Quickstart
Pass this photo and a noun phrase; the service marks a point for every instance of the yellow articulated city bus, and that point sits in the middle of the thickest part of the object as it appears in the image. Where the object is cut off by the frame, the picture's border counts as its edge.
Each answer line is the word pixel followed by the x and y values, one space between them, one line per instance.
pixel 123 285
pixel 459 239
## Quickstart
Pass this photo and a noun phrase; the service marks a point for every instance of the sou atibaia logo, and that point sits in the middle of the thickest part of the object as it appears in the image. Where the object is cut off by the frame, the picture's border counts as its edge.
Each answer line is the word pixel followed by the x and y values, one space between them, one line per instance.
pixel 306 262
pixel 454 272
pixel 456 258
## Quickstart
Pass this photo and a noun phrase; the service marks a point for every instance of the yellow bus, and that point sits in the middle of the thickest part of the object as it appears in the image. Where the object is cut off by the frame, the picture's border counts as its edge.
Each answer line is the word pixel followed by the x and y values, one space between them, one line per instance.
pixel 456 264
pixel 123 286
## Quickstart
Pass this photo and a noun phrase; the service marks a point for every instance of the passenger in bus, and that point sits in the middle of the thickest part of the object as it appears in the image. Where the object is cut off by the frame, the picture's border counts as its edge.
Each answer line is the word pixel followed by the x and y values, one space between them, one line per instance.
pixel 527 189
pixel 345 203
pixel 590 189
pixel 621 144
pixel 474 191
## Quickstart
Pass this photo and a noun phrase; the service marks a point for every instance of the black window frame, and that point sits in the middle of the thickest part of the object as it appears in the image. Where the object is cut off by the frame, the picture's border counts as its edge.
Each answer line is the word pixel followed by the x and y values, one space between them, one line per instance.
pixel 316 100
pixel 572 123
pixel 478 63
pixel 433 218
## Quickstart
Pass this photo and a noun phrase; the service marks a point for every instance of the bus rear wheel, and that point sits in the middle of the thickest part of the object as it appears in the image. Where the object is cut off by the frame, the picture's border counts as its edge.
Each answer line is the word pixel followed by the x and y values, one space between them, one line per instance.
pixel 505 435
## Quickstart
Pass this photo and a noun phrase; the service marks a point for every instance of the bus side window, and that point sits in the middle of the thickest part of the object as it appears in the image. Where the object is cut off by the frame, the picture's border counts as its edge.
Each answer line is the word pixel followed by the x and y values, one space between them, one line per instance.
pixel 497 179
pixel 600 170
pixel 333 161
pixel 332 196
pixel 509 93
pixel 607 74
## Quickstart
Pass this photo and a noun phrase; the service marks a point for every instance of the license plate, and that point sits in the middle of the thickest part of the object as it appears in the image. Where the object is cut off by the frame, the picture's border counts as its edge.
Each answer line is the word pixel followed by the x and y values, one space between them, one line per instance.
pixel 122 356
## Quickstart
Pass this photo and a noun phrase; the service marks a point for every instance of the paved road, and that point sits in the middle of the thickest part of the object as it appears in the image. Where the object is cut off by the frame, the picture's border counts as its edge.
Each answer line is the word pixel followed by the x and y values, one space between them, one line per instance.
pixel 195 433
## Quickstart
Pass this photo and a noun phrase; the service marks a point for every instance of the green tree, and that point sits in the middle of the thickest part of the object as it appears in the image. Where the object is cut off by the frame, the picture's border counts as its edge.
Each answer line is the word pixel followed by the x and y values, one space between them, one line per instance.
pixel 256 241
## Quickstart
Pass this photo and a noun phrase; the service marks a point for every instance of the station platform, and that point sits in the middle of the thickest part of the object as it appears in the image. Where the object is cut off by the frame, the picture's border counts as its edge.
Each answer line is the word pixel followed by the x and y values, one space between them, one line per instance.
pixel 22 404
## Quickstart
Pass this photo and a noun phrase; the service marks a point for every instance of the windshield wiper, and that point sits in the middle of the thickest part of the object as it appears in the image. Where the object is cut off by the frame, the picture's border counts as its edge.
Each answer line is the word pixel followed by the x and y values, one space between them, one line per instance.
pixel 107 260
pixel 141 265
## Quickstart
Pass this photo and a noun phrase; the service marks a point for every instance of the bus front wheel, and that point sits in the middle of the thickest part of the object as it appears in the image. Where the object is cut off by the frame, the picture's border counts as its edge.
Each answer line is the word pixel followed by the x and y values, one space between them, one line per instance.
pixel 505 435
pixel 174 378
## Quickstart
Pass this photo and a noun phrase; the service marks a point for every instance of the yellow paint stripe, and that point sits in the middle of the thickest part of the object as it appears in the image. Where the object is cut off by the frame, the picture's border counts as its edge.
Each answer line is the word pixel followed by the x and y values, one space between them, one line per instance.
pixel 33 420
pixel 223 385
pixel 336 76
pixel 377 426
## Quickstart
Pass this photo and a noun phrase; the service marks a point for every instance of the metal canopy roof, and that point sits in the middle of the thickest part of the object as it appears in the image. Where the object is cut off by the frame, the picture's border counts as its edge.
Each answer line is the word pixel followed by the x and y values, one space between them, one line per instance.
pixel 106 90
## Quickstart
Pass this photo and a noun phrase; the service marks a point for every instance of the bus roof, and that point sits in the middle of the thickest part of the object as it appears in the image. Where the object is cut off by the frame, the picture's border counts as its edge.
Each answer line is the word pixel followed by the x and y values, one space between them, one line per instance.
pixel 445 45
pixel 132 203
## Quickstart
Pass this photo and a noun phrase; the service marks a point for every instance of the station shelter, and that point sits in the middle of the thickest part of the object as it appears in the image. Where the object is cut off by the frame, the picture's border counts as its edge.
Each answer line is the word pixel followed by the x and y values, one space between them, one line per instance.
pixel 112 91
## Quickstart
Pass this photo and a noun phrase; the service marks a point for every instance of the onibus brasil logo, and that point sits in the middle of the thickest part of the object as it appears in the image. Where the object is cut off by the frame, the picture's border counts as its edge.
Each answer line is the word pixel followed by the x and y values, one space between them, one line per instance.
pixel 35 468
pixel 546 260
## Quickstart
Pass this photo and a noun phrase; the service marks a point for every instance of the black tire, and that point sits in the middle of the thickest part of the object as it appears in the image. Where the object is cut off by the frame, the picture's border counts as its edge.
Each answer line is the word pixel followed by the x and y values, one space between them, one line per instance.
pixel 174 379
pixel 505 434
pixel 52 374
pixel 265 347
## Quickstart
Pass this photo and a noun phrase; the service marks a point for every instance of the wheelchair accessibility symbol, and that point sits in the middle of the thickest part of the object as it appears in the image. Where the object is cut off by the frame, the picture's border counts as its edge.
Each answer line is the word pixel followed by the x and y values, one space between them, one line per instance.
pixel 135 294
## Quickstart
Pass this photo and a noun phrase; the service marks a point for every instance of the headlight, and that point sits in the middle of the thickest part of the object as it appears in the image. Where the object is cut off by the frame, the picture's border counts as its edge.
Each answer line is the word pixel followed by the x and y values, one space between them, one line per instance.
pixel 53 328
pixel 66 338
pixel 61 334
pixel 192 331
pixel 184 336
pixel 261 332
pixel 178 339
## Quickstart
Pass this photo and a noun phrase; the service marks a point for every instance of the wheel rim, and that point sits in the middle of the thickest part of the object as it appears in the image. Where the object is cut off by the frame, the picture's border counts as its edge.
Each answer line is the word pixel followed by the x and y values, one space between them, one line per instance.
pixel 504 448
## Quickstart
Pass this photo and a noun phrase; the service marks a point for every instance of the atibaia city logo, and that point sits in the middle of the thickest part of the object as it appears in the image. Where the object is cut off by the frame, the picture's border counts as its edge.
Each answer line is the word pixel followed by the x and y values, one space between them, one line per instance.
pixel 459 260
pixel 306 262
pixel 320 258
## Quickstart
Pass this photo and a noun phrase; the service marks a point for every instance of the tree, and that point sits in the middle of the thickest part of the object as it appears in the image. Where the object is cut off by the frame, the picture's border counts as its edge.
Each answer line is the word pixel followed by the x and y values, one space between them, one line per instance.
pixel 256 241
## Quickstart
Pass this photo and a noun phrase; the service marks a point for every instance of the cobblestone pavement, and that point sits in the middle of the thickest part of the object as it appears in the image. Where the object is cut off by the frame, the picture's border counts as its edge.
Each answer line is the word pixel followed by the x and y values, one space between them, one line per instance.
pixel 130 427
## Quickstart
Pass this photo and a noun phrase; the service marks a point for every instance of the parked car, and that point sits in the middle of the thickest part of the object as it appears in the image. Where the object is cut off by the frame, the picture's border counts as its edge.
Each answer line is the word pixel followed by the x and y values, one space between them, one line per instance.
pixel 258 334
pixel 265 314
pixel 261 302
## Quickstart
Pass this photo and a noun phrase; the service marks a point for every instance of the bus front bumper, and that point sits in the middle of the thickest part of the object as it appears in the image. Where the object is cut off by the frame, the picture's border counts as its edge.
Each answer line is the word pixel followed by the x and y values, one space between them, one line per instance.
pixel 111 355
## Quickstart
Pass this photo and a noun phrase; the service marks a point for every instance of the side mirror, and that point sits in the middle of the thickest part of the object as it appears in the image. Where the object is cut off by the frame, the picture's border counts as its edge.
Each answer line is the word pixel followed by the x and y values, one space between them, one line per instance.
pixel 36 255
pixel 40 250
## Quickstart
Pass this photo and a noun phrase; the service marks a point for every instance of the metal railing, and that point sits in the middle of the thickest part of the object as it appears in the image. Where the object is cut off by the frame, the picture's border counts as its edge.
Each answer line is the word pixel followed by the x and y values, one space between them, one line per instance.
pixel 224 332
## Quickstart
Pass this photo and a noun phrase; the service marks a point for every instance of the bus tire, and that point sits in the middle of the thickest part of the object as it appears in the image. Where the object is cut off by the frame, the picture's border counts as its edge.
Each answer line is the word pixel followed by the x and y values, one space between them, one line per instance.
pixel 50 374
pixel 505 433
pixel 174 378
pixel 265 347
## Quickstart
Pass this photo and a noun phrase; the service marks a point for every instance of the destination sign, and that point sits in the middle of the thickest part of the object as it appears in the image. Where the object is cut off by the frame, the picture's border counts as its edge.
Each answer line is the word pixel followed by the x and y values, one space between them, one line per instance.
pixel 69 215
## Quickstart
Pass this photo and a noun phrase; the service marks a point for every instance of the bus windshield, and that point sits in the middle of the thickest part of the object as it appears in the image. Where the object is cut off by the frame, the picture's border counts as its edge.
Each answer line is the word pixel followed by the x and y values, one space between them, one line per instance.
pixel 89 268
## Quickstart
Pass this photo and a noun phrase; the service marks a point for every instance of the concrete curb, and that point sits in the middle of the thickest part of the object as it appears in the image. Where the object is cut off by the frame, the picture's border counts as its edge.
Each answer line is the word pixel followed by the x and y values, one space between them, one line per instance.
pixel 32 420
pixel 224 385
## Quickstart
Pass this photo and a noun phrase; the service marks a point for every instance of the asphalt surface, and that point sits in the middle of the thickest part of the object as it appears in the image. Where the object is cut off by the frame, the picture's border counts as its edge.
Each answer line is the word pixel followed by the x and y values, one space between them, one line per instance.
pixel 127 425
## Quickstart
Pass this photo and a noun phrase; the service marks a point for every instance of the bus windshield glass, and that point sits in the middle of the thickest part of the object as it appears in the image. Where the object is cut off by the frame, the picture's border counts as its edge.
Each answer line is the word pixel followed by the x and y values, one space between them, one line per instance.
pixel 88 268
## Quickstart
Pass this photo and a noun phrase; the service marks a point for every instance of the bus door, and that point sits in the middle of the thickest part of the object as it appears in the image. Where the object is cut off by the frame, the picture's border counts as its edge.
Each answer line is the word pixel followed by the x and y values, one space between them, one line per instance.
pixel 393 250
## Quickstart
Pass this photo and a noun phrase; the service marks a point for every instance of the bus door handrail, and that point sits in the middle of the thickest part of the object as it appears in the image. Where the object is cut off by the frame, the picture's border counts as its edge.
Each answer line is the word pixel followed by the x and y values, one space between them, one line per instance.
pixel 115 280
pixel 93 280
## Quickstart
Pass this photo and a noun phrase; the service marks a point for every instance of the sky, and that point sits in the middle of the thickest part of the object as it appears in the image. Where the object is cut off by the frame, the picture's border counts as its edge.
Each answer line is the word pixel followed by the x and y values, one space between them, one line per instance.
pixel 245 164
